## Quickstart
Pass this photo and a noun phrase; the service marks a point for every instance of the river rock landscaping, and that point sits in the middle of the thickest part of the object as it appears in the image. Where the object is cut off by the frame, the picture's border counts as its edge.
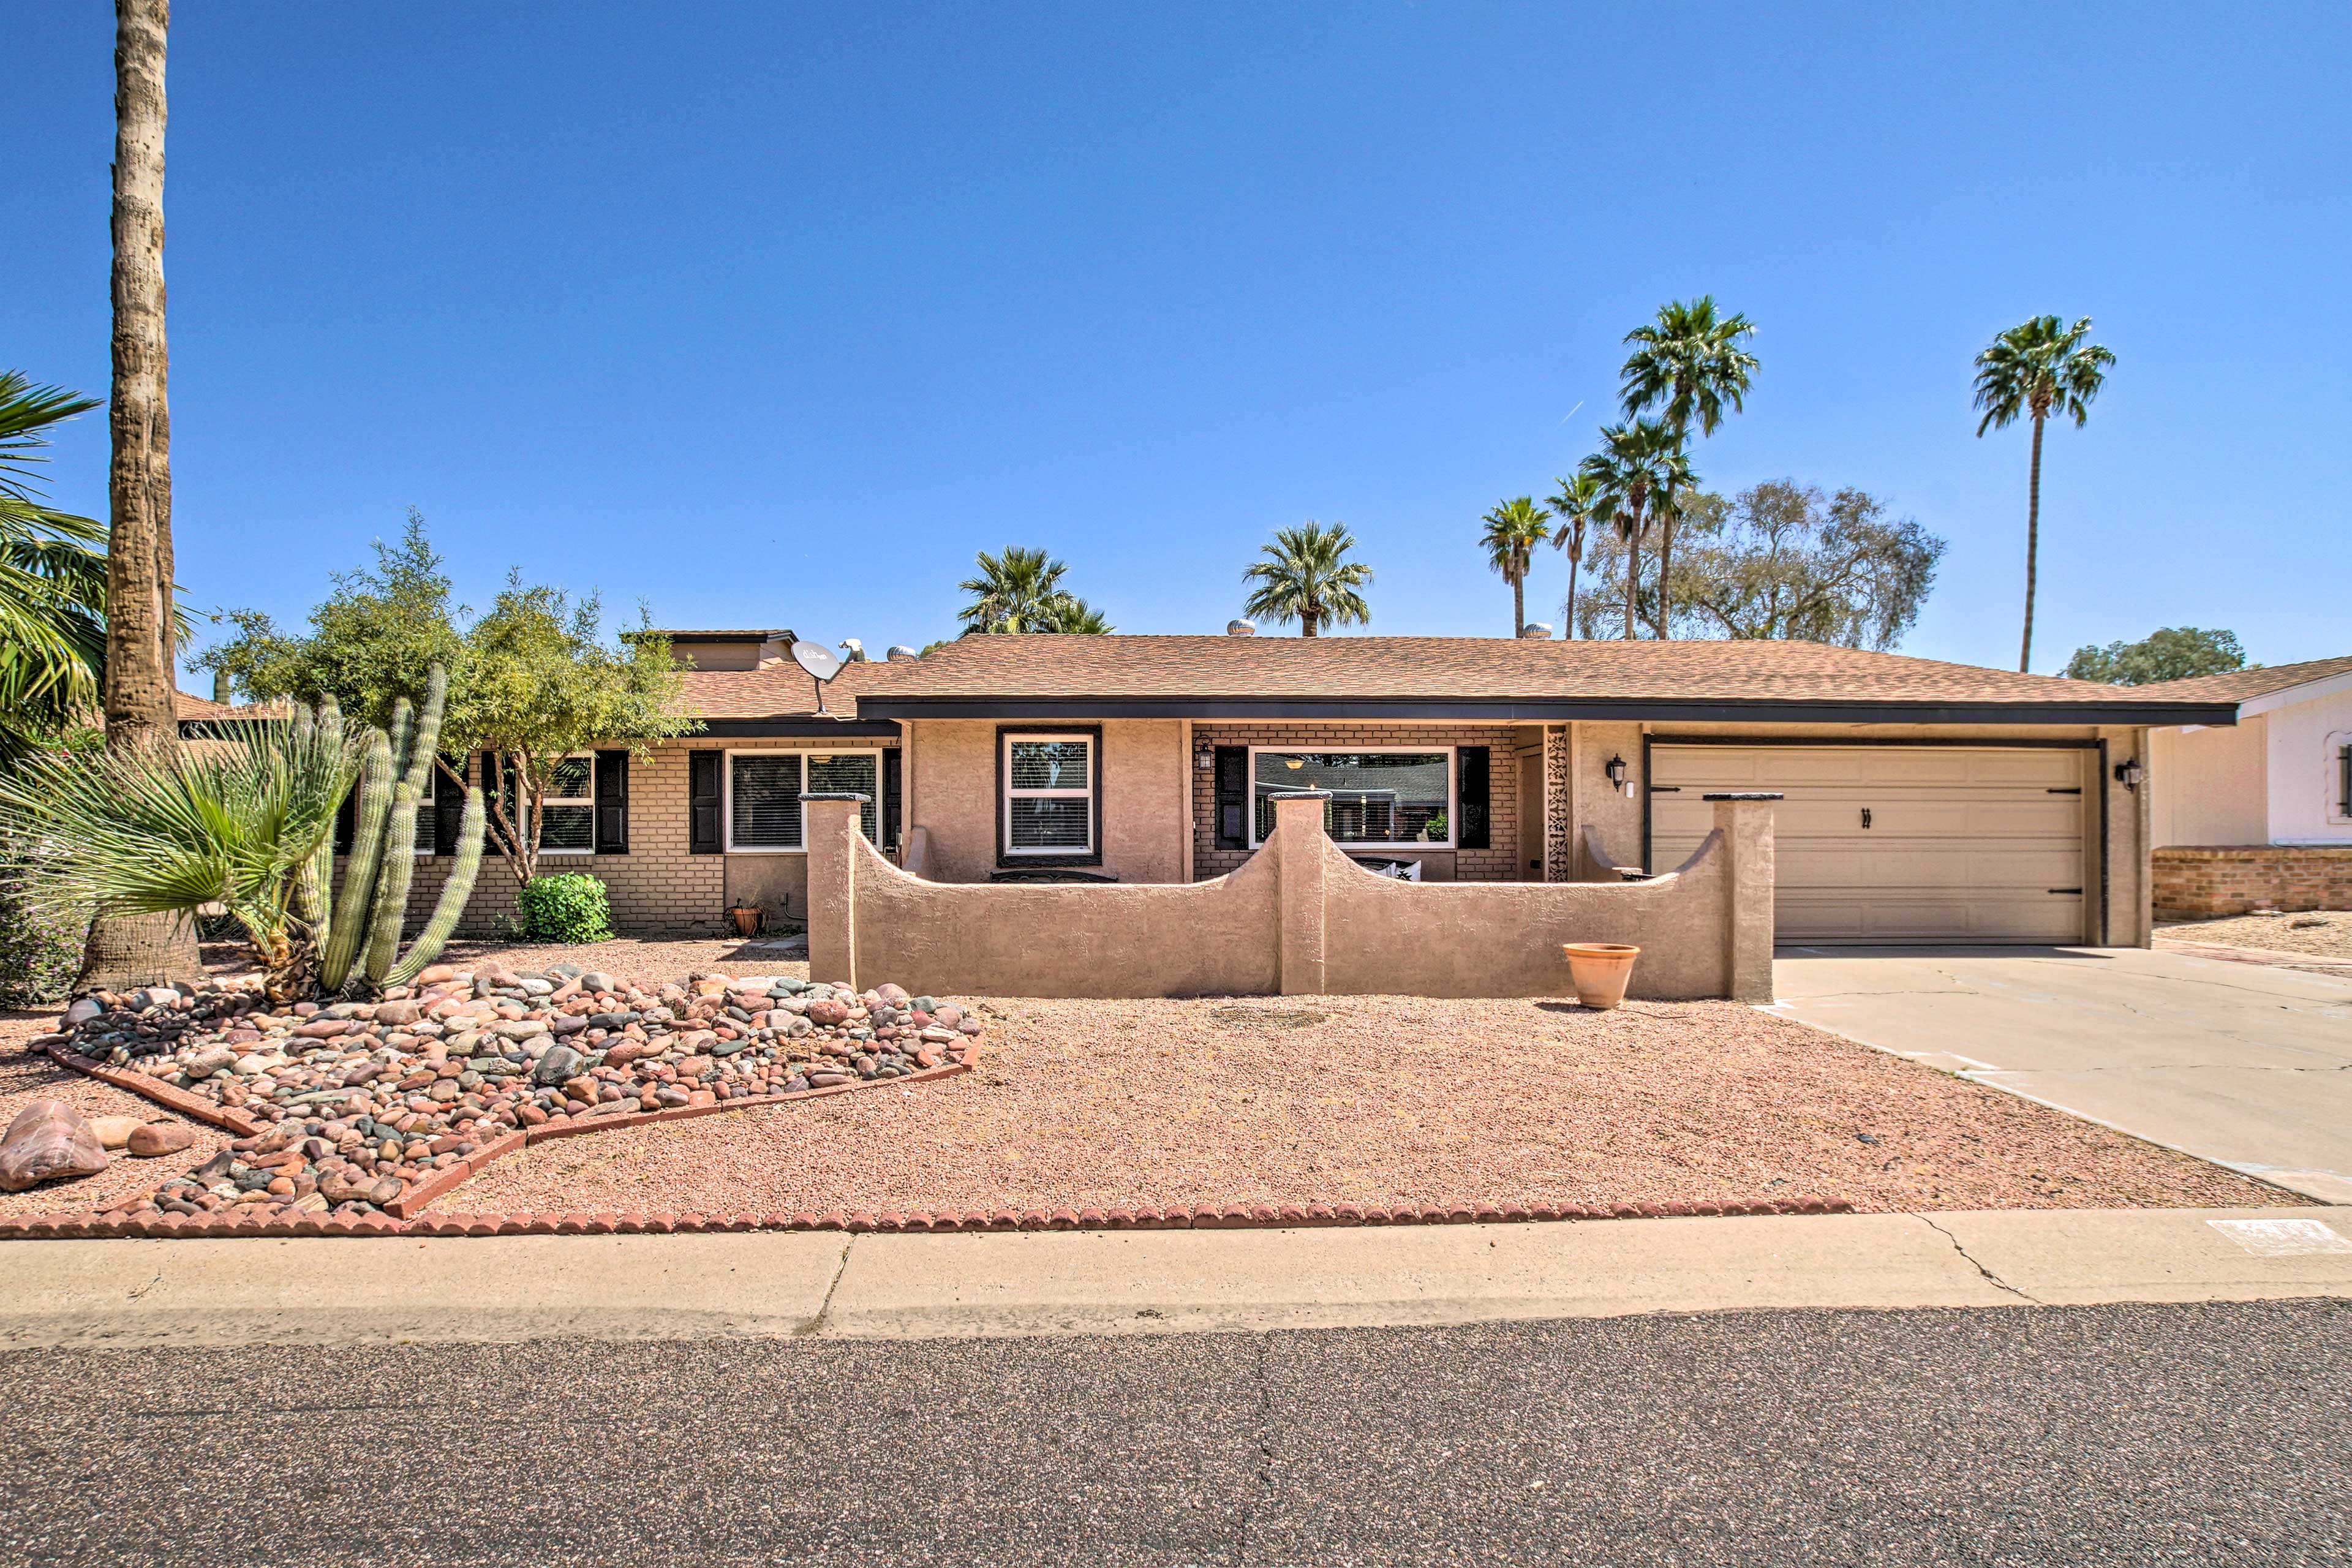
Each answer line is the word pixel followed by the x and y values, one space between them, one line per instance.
pixel 354 1106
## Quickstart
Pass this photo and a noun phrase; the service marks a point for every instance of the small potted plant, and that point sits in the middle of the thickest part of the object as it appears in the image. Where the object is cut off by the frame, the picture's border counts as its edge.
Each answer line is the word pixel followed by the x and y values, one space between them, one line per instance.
pixel 747 917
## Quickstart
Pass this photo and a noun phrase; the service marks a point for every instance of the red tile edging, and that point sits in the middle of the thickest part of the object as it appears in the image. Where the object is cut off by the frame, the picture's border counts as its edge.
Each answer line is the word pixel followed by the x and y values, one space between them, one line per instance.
pixel 1261 1216
pixel 194 1106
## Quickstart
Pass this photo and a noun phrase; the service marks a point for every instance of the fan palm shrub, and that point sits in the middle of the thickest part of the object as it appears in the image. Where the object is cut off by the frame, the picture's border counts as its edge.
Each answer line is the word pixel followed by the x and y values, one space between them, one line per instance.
pixel 1635 463
pixel 1308 578
pixel 1575 503
pixel 1688 364
pixel 245 822
pixel 1019 590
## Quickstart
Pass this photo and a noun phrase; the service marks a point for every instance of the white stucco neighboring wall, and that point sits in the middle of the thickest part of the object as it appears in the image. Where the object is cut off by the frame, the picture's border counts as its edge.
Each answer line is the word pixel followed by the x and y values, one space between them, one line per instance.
pixel 2305 740
pixel 2275 778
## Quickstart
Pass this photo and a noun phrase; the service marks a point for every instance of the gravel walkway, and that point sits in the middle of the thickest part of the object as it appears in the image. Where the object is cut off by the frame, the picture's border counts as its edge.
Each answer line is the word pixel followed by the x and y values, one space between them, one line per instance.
pixel 2324 933
pixel 1381 1100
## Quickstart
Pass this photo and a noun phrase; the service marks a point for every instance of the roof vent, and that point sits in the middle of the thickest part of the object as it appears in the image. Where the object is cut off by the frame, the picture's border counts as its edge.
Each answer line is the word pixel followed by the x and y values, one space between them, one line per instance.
pixel 1537 629
pixel 899 650
pixel 1240 629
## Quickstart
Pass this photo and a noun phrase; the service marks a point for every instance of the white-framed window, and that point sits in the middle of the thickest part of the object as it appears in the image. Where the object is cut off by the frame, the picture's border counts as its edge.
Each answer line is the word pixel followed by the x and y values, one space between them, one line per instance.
pixel 763 789
pixel 1049 805
pixel 427 810
pixel 1382 797
pixel 567 811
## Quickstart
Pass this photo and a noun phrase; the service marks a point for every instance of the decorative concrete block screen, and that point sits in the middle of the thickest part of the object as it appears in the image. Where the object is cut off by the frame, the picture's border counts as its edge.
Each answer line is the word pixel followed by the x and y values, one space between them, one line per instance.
pixel 1298 918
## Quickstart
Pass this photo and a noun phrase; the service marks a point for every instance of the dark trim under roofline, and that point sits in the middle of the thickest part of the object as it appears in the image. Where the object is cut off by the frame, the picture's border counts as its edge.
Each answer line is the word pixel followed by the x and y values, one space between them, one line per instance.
pixel 1554 710
pixel 765 729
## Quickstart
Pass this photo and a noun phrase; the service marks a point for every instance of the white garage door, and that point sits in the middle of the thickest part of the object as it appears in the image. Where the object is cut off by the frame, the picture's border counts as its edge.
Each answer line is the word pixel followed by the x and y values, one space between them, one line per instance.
pixel 1899 843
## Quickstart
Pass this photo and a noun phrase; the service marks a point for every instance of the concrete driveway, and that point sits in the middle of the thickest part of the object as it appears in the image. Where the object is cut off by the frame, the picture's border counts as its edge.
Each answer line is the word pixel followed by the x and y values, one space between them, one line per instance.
pixel 2248 1066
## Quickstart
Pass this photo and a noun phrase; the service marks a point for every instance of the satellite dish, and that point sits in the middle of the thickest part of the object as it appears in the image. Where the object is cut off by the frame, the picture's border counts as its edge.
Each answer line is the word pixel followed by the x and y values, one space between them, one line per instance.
pixel 821 662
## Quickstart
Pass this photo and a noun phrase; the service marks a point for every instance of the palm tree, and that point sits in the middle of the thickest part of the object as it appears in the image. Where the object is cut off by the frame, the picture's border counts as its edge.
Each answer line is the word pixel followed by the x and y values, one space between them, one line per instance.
pixel 1688 363
pixel 1575 504
pixel 2037 368
pixel 1304 579
pixel 1514 528
pixel 128 951
pixel 1019 590
pixel 1635 462
pixel 1075 617
pixel 52 581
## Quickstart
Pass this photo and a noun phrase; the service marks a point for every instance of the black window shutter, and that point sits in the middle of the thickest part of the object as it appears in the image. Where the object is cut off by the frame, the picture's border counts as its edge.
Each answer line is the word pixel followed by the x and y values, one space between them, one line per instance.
pixel 347 818
pixel 448 805
pixel 1470 798
pixel 702 769
pixel 611 803
pixel 1233 797
pixel 893 786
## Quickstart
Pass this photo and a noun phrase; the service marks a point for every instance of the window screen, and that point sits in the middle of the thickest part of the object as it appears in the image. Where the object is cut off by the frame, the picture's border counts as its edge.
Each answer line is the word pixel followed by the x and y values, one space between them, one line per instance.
pixel 1049 805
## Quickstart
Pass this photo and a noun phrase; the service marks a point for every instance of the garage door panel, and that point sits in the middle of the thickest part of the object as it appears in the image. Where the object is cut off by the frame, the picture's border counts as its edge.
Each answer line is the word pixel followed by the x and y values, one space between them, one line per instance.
pixel 1965 843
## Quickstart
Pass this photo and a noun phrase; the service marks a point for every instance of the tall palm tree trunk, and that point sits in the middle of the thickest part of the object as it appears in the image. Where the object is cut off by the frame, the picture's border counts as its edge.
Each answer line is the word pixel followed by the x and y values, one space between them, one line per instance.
pixel 1519 603
pixel 1573 563
pixel 1632 570
pixel 1665 574
pixel 1306 619
pixel 2033 544
pixel 123 953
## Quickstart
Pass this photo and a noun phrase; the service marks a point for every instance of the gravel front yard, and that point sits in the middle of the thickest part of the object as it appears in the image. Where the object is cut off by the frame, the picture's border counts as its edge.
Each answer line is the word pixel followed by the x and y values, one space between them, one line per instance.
pixel 1378 1100
pixel 2324 933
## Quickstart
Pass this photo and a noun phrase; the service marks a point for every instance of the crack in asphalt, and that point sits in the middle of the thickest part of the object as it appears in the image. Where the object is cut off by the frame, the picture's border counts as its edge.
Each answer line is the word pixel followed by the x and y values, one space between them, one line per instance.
pixel 1261 1433
pixel 1972 1263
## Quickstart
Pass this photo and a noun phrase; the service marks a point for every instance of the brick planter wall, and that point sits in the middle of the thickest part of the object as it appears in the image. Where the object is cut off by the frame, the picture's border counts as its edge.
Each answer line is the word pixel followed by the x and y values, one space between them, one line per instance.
pixel 2209 882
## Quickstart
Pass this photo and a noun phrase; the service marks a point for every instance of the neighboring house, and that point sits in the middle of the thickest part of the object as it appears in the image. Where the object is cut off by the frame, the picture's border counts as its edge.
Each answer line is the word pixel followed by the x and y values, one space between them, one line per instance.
pixel 2258 815
pixel 1925 802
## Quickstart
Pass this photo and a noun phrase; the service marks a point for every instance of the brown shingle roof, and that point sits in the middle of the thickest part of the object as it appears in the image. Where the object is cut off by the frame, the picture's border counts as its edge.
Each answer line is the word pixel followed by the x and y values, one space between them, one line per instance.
pixel 2245 684
pixel 784 691
pixel 1386 669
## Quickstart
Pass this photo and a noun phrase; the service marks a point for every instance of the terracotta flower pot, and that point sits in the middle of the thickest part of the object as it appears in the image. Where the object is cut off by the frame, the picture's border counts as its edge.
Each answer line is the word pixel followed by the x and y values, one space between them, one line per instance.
pixel 1600 971
pixel 748 918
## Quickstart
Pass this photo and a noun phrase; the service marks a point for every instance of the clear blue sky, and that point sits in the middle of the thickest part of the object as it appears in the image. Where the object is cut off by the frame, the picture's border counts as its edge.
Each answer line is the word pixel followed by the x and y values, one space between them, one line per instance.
pixel 773 315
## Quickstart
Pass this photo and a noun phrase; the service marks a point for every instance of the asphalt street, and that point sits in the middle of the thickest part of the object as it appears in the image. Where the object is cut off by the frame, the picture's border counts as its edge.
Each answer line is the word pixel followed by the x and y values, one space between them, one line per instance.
pixel 2199 1434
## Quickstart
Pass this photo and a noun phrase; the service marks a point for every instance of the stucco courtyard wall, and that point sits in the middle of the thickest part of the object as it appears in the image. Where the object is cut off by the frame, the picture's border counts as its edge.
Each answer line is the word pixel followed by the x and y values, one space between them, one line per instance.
pixel 1300 917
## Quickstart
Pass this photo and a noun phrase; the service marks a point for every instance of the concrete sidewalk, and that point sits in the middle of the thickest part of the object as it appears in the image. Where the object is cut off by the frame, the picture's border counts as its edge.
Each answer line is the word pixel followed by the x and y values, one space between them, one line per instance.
pixel 2248 1066
pixel 132 1293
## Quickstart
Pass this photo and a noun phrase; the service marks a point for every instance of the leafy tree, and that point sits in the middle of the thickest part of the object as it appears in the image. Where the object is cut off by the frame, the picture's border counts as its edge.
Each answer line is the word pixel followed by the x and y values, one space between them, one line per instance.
pixel 1636 462
pixel 1688 364
pixel 140 639
pixel 1782 560
pixel 1514 528
pixel 1308 578
pixel 2035 368
pixel 1575 503
pixel 1019 590
pixel 52 581
pixel 531 681
pixel 2168 653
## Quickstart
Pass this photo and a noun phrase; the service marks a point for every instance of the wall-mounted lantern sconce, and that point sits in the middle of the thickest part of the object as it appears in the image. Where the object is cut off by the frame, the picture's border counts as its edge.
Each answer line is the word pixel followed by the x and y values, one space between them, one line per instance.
pixel 2127 772
pixel 1615 768
pixel 1205 758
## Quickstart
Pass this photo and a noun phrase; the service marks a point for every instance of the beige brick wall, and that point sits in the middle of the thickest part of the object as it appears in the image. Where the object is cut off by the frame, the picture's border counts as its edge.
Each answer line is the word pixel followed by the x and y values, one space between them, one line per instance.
pixel 2211 881
pixel 1497 863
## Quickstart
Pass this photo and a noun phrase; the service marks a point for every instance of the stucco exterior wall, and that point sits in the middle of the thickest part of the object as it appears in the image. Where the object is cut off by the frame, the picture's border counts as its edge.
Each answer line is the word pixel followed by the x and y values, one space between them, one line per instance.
pixel 2210 785
pixel 1300 917
pixel 1496 863
pixel 2304 740
pixel 951 792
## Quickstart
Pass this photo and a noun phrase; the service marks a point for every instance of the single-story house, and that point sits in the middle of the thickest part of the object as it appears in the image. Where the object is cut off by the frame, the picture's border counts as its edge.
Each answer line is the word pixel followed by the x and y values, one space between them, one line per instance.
pixel 1925 800
pixel 2258 815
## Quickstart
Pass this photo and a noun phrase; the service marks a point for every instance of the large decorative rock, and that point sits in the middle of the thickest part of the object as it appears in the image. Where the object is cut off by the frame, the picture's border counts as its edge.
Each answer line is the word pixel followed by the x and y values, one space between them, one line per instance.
pixel 827 1014
pixel 48 1140
pixel 154 1138
pixel 559 1063
pixel 113 1131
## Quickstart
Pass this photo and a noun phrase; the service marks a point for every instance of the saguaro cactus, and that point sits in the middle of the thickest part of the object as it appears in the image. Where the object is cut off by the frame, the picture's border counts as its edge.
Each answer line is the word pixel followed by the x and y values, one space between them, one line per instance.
pixel 361 952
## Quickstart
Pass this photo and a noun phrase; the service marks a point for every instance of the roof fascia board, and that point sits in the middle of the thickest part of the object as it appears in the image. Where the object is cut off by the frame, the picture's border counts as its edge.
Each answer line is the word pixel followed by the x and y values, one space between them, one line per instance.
pixel 2288 695
pixel 761 729
pixel 1554 710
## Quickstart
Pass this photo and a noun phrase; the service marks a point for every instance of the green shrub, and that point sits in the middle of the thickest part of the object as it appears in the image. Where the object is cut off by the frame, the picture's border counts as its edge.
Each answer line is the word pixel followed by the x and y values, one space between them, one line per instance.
pixel 567 908
pixel 40 954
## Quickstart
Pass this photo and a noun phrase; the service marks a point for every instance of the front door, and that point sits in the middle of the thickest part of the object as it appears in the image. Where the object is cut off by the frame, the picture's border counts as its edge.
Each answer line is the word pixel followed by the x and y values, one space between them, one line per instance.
pixel 1531 816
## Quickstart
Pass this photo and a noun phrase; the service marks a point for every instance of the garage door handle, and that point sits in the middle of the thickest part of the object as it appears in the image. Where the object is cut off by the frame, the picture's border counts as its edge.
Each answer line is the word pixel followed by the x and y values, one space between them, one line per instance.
pixel 1866 817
